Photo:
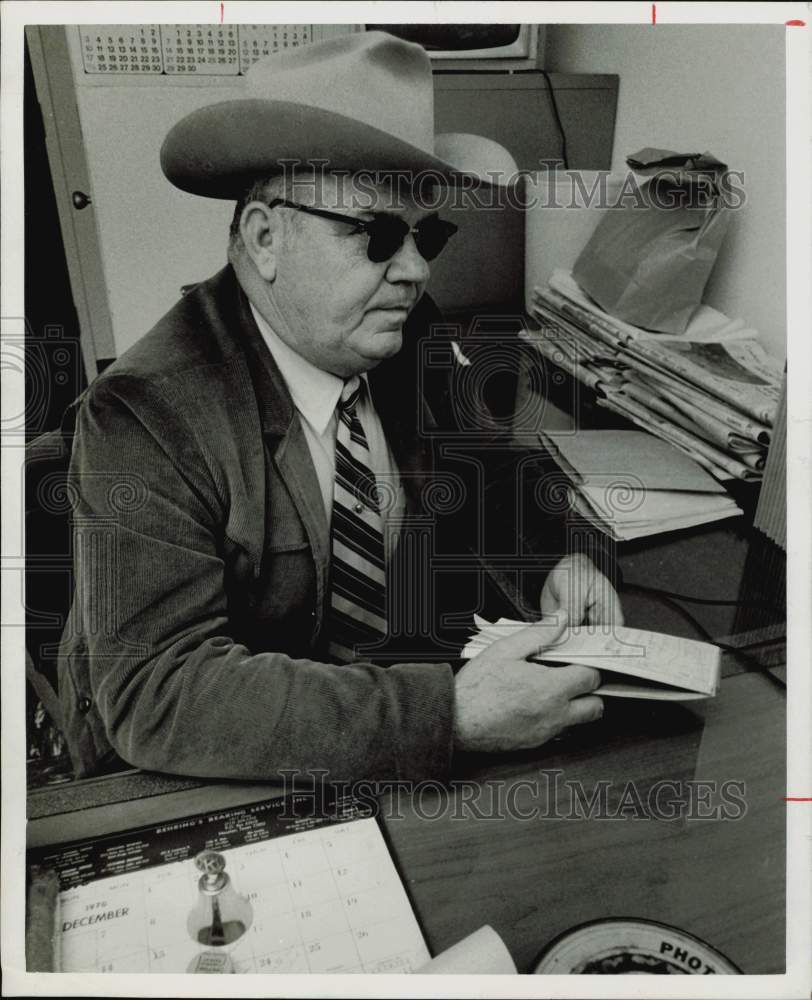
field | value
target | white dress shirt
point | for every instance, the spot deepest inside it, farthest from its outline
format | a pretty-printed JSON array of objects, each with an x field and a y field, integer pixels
[{"x": 315, "y": 394}]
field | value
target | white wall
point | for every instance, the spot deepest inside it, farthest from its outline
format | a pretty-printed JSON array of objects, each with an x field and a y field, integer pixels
[
  {"x": 153, "y": 238},
  {"x": 697, "y": 88}
]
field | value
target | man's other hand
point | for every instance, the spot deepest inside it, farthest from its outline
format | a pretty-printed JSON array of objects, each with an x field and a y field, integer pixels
[
  {"x": 578, "y": 587},
  {"x": 503, "y": 702}
]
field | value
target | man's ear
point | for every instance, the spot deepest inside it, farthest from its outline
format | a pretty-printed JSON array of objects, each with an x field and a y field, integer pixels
[{"x": 261, "y": 230}]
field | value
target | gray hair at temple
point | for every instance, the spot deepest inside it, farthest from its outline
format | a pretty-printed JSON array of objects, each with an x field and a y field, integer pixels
[{"x": 263, "y": 189}]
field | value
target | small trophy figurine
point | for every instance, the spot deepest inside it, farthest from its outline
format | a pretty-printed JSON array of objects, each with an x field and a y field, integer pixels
[{"x": 220, "y": 916}]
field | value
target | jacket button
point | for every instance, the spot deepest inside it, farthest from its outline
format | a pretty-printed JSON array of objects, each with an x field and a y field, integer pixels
[{"x": 84, "y": 705}]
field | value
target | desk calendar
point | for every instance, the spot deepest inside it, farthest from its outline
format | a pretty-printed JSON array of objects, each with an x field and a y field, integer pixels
[{"x": 323, "y": 895}]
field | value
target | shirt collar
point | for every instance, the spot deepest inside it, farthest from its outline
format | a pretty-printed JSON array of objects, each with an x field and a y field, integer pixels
[{"x": 315, "y": 393}]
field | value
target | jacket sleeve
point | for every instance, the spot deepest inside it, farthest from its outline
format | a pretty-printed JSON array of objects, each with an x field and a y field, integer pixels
[{"x": 175, "y": 692}]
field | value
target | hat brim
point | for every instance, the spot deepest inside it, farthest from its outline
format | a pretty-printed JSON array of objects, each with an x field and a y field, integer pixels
[{"x": 218, "y": 150}]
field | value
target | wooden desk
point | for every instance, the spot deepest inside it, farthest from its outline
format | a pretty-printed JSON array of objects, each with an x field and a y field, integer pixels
[{"x": 533, "y": 878}]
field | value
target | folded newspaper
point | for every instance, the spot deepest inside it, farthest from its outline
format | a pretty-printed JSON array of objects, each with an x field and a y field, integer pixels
[
  {"x": 715, "y": 354},
  {"x": 707, "y": 324},
  {"x": 712, "y": 392},
  {"x": 642, "y": 664}
]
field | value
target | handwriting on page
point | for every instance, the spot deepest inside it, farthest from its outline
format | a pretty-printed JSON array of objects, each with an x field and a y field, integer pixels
[{"x": 652, "y": 656}]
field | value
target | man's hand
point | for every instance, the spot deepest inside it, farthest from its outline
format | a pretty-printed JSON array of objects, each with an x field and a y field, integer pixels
[
  {"x": 502, "y": 702},
  {"x": 579, "y": 588}
]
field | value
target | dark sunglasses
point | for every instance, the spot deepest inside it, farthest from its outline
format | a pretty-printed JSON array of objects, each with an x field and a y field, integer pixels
[{"x": 387, "y": 232}]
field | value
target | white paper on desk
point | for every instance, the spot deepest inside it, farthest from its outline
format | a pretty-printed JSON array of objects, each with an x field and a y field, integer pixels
[
  {"x": 610, "y": 457},
  {"x": 626, "y": 529},
  {"x": 481, "y": 953},
  {"x": 655, "y": 508},
  {"x": 652, "y": 656}
]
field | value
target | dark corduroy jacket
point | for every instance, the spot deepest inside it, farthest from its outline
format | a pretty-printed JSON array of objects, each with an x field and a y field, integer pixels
[
  {"x": 196, "y": 644},
  {"x": 202, "y": 559}
]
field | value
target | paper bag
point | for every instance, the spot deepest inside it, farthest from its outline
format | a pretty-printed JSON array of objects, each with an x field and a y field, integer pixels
[{"x": 649, "y": 259}]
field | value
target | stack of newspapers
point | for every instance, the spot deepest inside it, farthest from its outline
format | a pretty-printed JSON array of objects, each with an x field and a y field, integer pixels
[{"x": 712, "y": 392}]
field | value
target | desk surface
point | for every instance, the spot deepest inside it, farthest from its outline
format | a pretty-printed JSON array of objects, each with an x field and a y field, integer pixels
[{"x": 532, "y": 877}]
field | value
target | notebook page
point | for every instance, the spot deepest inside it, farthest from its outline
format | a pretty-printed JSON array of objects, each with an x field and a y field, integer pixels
[{"x": 669, "y": 659}]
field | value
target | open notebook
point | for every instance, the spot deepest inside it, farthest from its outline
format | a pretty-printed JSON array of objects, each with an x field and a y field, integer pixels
[{"x": 637, "y": 663}]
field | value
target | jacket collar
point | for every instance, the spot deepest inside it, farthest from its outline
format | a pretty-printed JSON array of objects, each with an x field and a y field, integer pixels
[
  {"x": 315, "y": 392},
  {"x": 276, "y": 409},
  {"x": 394, "y": 386}
]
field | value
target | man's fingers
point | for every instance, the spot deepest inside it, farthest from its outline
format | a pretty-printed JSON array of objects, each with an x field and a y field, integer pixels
[
  {"x": 617, "y": 608},
  {"x": 526, "y": 642},
  {"x": 552, "y": 603},
  {"x": 606, "y": 609},
  {"x": 589, "y": 708},
  {"x": 576, "y": 679}
]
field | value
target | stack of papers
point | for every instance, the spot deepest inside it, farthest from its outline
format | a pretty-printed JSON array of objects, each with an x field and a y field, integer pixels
[
  {"x": 712, "y": 392},
  {"x": 630, "y": 484},
  {"x": 642, "y": 664}
]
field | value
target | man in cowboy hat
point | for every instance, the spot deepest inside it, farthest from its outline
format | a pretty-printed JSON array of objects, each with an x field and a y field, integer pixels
[{"x": 241, "y": 616}]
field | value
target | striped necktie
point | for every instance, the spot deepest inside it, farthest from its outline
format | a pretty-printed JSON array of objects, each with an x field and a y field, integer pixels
[{"x": 358, "y": 571}]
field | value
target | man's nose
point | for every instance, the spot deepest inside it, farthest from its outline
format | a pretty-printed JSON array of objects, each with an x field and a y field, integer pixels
[{"x": 408, "y": 264}]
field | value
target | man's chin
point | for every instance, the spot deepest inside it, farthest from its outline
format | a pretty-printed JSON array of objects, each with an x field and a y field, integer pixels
[{"x": 384, "y": 344}]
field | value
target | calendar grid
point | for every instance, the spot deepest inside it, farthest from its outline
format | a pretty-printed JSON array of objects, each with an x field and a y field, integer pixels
[
  {"x": 324, "y": 900},
  {"x": 187, "y": 50}
]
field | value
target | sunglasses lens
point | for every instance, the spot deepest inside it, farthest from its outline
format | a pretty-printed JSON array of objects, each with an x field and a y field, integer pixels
[
  {"x": 432, "y": 236},
  {"x": 386, "y": 236},
  {"x": 387, "y": 233}
]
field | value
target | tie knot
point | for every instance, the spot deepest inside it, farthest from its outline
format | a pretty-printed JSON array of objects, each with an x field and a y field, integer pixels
[{"x": 350, "y": 394}]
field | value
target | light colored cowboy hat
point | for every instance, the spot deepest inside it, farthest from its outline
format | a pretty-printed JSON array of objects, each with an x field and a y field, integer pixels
[{"x": 362, "y": 101}]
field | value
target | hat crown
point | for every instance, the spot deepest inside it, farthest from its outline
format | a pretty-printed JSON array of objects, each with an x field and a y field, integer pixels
[
  {"x": 372, "y": 77},
  {"x": 361, "y": 101}
]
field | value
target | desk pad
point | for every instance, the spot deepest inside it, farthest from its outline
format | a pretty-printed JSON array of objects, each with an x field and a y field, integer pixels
[{"x": 324, "y": 895}]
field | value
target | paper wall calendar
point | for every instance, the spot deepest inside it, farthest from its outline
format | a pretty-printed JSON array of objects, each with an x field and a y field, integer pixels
[{"x": 183, "y": 50}]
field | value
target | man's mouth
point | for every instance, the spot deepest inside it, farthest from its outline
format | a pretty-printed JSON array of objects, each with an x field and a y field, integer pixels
[{"x": 403, "y": 307}]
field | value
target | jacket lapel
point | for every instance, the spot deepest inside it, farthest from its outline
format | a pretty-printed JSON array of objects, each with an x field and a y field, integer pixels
[
  {"x": 395, "y": 390},
  {"x": 285, "y": 441}
]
